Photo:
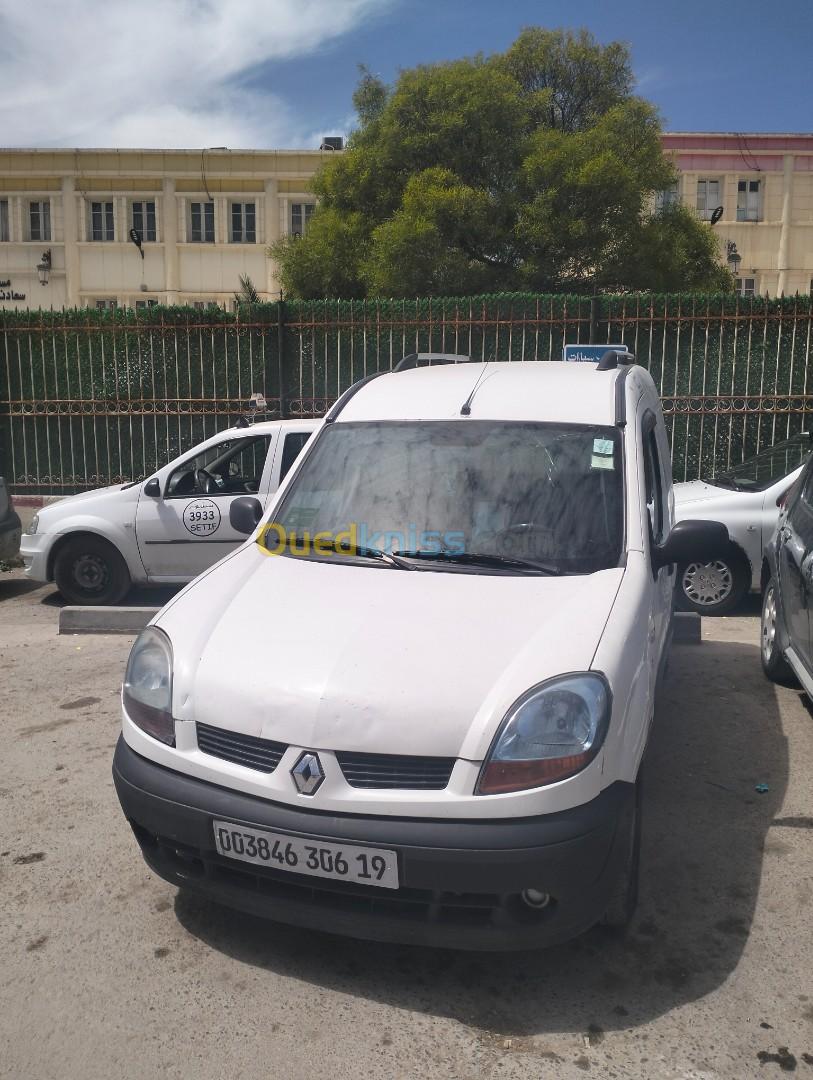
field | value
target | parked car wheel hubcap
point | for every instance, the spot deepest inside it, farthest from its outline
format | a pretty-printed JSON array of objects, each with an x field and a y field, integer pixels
[
  {"x": 90, "y": 573},
  {"x": 768, "y": 625},
  {"x": 707, "y": 583}
]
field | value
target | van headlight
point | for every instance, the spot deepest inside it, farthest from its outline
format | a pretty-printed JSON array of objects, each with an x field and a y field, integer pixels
[
  {"x": 147, "y": 692},
  {"x": 33, "y": 525},
  {"x": 552, "y": 732}
]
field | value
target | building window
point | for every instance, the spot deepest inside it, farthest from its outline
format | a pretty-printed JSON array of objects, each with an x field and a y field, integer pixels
[
  {"x": 4, "y": 233},
  {"x": 749, "y": 200},
  {"x": 708, "y": 197},
  {"x": 106, "y": 304},
  {"x": 667, "y": 197},
  {"x": 747, "y": 286},
  {"x": 39, "y": 220},
  {"x": 143, "y": 217},
  {"x": 300, "y": 218},
  {"x": 202, "y": 223},
  {"x": 142, "y": 305},
  {"x": 243, "y": 223},
  {"x": 101, "y": 221}
]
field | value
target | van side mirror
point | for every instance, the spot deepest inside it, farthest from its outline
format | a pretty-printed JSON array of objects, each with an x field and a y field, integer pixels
[
  {"x": 692, "y": 541},
  {"x": 245, "y": 514},
  {"x": 153, "y": 488}
]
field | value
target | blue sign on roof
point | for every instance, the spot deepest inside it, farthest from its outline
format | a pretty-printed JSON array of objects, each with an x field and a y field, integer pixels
[{"x": 589, "y": 354}]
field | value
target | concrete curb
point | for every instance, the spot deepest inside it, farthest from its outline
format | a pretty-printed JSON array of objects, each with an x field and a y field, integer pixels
[
  {"x": 105, "y": 620},
  {"x": 687, "y": 628}
]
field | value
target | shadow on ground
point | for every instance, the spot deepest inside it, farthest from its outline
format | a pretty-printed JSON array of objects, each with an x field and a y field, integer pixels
[
  {"x": 156, "y": 596},
  {"x": 13, "y": 586},
  {"x": 717, "y": 735}
]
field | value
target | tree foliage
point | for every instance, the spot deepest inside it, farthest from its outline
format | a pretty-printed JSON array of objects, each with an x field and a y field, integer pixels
[{"x": 532, "y": 169}]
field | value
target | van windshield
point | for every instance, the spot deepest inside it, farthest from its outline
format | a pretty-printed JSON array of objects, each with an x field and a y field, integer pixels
[{"x": 473, "y": 495}]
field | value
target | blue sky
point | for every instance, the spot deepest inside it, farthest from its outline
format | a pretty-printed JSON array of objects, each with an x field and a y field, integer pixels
[
  {"x": 279, "y": 73},
  {"x": 740, "y": 66}
]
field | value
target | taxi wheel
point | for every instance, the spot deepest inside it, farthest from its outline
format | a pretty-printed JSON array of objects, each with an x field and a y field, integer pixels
[{"x": 89, "y": 570}]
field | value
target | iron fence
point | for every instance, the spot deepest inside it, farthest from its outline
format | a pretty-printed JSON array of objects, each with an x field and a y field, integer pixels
[{"x": 90, "y": 398}]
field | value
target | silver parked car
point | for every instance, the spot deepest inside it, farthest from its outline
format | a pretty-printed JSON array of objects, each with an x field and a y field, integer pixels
[{"x": 746, "y": 499}]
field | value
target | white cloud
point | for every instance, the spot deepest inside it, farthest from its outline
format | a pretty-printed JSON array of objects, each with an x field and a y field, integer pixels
[{"x": 158, "y": 73}]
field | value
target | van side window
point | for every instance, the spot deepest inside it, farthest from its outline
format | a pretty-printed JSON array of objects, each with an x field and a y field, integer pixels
[
  {"x": 653, "y": 479},
  {"x": 293, "y": 444}
]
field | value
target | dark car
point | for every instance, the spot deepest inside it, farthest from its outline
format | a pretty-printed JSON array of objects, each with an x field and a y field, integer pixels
[
  {"x": 787, "y": 577},
  {"x": 10, "y": 527}
]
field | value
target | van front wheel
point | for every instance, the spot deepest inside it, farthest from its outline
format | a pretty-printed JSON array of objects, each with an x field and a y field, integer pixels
[{"x": 624, "y": 894}]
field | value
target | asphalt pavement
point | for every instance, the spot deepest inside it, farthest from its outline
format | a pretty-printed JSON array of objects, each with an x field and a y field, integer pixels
[{"x": 107, "y": 972}]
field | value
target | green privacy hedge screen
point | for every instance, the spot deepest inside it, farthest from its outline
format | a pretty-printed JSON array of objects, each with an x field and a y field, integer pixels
[{"x": 89, "y": 397}]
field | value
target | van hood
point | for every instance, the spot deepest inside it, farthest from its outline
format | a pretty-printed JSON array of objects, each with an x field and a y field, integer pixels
[{"x": 339, "y": 656}]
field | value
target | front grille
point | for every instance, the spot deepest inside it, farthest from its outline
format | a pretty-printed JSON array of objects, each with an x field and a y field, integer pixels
[
  {"x": 395, "y": 771},
  {"x": 359, "y": 770},
  {"x": 260, "y": 754}
]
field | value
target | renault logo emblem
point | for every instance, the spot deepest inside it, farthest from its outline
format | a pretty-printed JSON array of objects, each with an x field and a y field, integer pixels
[{"x": 307, "y": 774}]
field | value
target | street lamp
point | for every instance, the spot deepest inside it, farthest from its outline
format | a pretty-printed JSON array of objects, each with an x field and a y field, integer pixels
[
  {"x": 44, "y": 267},
  {"x": 733, "y": 257}
]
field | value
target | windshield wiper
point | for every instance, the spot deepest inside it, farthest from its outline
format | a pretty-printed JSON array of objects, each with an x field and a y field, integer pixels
[
  {"x": 374, "y": 553},
  {"x": 473, "y": 558},
  {"x": 349, "y": 549}
]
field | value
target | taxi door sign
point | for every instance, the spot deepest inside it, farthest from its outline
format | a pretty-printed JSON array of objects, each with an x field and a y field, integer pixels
[{"x": 589, "y": 354}]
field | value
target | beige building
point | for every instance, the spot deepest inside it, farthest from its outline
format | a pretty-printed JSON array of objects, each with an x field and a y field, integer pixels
[
  {"x": 203, "y": 218},
  {"x": 764, "y": 185}
]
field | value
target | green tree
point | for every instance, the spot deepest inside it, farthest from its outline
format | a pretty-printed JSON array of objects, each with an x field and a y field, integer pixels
[
  {"x": 247, "y": 293},
  {"x": 536, "y": 168}
]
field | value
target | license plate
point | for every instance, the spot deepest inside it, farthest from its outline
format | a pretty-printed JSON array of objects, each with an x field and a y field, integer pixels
[{"x": 342, "y": 862}]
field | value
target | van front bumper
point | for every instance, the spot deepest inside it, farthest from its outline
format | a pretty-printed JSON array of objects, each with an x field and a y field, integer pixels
[{"x": 460, "y": 881}]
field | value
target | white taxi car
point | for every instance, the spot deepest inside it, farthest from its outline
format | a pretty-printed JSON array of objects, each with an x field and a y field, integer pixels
[
  {"x": 165, "y": 529},
  {"x": 449, "y": 753}
]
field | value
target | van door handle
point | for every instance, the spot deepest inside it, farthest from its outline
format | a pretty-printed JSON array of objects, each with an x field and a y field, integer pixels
[{"x": 784, "y": 534}]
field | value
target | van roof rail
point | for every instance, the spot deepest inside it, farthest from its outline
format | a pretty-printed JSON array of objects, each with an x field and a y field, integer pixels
[
  {"x": 417, "y": 359},
  {"x": 613, "y": 358}
]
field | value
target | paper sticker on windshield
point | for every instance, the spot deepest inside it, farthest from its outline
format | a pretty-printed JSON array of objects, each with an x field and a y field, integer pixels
[
  {"x": 603, "y": 446},
  {"x": 201, "y": 517},
  {"x": 598, "y": 461}
]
